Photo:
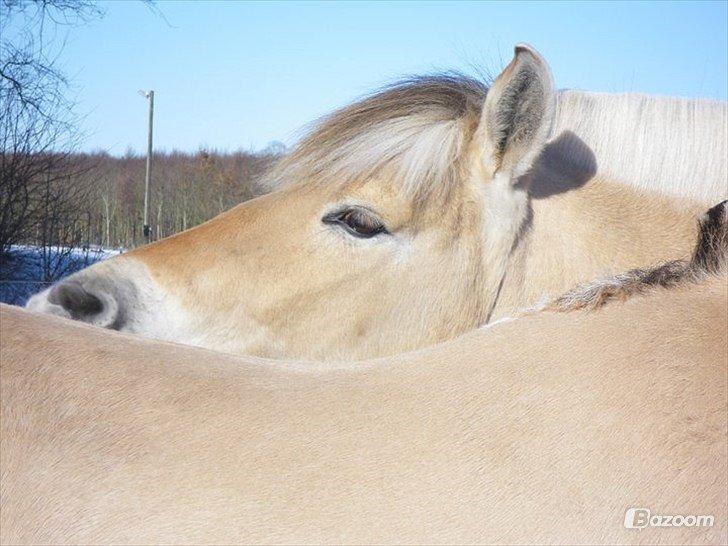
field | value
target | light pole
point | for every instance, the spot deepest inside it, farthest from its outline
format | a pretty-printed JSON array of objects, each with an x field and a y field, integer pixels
[{"x": 147, "y": 180}]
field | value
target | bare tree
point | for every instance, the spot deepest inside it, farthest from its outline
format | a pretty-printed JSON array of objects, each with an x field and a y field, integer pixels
[
  {"x": 37, "y": 125},
  {"x": 47, "y": 194}
]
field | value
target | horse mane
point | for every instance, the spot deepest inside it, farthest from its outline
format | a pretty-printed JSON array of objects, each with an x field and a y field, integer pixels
[
  {"x": 675, "y": 146},
  {"x": 709, "y": 258},
  {"x": 417, "y": 130}
]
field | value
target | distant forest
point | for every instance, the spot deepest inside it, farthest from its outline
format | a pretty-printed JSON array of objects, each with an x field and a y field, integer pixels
[
  {"x": 186, "y": 190},
  {"x": 99, "y": 199}
]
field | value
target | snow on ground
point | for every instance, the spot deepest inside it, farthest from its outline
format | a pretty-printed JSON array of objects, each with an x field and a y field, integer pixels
[{"x": 26, "y": 269}]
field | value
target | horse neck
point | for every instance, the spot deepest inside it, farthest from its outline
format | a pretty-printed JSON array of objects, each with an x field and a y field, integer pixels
[{"x": 587, "y": 232}]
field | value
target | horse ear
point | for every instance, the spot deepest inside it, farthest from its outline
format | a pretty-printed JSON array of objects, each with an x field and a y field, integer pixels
[{"x": 517, "y": 115}]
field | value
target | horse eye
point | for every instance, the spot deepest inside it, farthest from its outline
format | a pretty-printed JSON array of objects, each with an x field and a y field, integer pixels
[{"x": 358, "y": 222}]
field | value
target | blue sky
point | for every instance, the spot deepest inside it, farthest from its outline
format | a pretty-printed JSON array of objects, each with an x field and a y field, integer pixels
[{"x": 231, "y": 75}]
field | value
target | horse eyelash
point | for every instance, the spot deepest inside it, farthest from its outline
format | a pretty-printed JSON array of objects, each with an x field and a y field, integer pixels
[{"x": 336, "y": 218}]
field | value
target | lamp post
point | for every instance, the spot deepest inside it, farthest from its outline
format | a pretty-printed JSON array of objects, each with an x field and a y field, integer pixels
[{"x": 147, "y": 179}]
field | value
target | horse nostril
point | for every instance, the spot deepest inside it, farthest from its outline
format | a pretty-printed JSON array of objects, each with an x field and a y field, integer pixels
[
  {"x": 74, "y": 299},
  {"x": 83, "y": 305}
]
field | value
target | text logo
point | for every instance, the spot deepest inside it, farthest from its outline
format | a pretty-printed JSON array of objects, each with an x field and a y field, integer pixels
[{"x": 639, "y": 518}]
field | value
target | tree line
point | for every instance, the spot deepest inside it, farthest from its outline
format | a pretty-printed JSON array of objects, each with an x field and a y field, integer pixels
[
  {"x": 186, "y": 190},
  {"x": 63, "y": 202}
]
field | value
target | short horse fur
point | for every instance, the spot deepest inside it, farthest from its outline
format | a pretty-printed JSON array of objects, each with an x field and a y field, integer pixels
[
  {"x": 476, "y": 202},
  {"x": 541, "y": 430}
]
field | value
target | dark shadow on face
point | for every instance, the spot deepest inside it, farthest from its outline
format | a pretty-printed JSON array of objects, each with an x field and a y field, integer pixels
[{"x": 566, "y": 163}]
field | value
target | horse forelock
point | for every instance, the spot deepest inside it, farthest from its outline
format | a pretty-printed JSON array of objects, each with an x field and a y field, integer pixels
[{"x": 414, "y": 132}]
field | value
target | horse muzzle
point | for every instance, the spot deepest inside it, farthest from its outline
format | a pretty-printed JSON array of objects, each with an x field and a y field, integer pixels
[{"x": 102, "y": 295}]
